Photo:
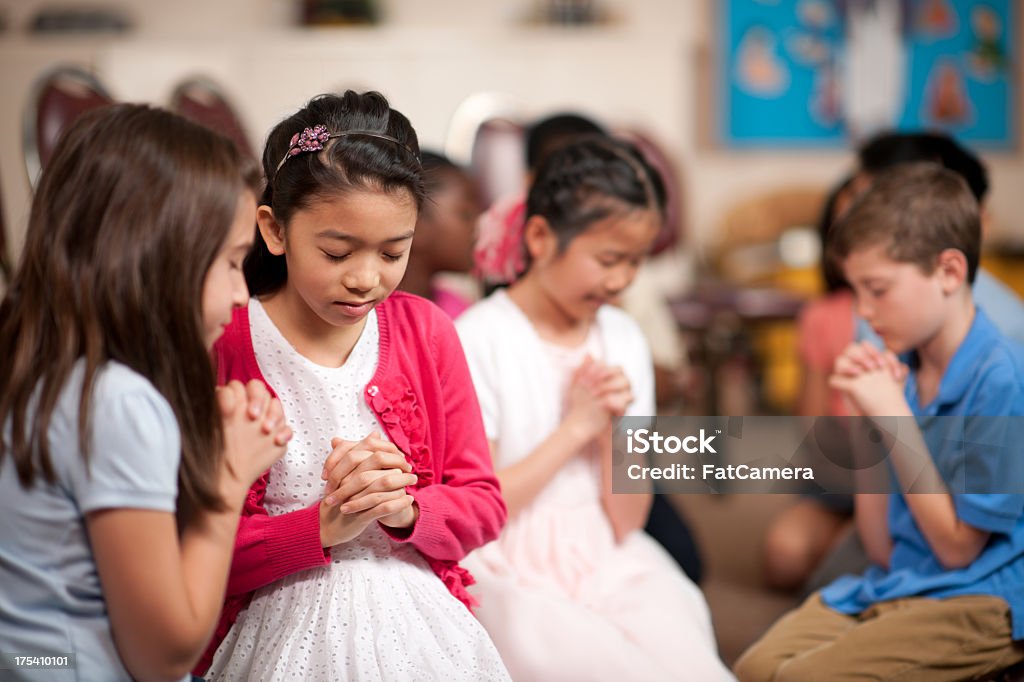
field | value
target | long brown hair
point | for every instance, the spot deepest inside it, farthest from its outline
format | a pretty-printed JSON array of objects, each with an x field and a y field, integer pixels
[{"x": 130, "y": 214}]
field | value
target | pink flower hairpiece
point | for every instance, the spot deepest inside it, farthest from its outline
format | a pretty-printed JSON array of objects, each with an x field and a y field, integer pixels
[
  {"x": 309, "y": 140},
  {"x": 313, "y": 140},
  {"x": 499, "y": 254}
]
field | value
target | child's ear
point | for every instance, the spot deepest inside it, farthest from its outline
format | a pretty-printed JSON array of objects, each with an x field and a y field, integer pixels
[
  {"x": 539, "y": 238},
  {"x": 272, "y": 231},
  {"x": 952, "y": 270}
]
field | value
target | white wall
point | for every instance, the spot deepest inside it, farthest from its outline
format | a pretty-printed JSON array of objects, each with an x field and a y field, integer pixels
[
  {"x": 157, "y": 17},
  {"x": 649, "y": 69}
]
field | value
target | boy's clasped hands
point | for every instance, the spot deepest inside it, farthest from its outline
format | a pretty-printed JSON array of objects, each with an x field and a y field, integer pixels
[{"x": 871, "y": 379}]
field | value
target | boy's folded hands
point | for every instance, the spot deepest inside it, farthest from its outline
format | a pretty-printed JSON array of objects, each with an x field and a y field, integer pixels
[{"x": 871, "y": 379}]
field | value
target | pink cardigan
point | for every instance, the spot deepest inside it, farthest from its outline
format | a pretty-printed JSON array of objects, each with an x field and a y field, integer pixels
[{"x": 423, "y": 396}]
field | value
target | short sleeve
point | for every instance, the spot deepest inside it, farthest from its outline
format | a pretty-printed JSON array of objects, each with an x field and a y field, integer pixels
[
  {"x": 135, "y": 448},
  {"x": 992, "y": 432},
  {"x": 992, "y": 513}
]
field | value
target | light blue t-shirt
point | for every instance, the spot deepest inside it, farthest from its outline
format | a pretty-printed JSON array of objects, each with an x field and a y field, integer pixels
[
  {"x": 999, "y": 302},
  {"x": 51, "y": 601},
  {"x": 985, "y": 377}
]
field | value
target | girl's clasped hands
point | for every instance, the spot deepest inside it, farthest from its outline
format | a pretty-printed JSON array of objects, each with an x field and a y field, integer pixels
[
  {"x": 366, "y": 481},
  {"x": 255, "y": 431},
  {"x": 597, "y": 393}
]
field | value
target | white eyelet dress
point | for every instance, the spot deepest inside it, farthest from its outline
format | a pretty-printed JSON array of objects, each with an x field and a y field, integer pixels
[{"x": 377, "y": 611}]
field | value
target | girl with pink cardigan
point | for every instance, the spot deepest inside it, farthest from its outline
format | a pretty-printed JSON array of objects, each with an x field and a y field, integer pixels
[{"x": 346, "y": 561}]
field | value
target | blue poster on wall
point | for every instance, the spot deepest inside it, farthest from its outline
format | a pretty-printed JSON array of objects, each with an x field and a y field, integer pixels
[{"x": 820, "y": 73}]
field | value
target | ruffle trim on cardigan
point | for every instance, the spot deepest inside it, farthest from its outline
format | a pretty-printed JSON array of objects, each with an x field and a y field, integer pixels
[{"x": 395, "y": 404}]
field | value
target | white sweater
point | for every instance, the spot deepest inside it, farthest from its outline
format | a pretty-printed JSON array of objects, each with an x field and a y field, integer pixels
[{"x": 514, "y": 379}]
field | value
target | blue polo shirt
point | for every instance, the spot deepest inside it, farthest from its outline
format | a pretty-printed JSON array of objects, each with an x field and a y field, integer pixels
[{"x": 986, "y": 378}]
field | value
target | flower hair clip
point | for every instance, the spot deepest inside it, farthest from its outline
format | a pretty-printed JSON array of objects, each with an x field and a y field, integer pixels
[
  {"x": 309, "y": 140},
  {"x": 313, "y": 140}
]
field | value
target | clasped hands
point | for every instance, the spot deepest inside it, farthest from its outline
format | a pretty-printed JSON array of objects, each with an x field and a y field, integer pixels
[
  {"x": 365, "y": 481},
  {"x": 597, "y": 392},
  {"x": 871, "y": 379},
  {"x": 255, "y": 434}
]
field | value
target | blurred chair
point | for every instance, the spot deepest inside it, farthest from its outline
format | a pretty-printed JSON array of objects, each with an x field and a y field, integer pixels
[
  {"x": 497, "y": 162},
  {"x": 767, "y": 249},
  {"x": 763, "y": 265},
  {"x": 486, "y": 136},
  {"x": 1006, "y": 264},
  {"x": 203, "y": 101},
  {"x": 58, "y": 97},
  {"x": 765, "y": 237}
]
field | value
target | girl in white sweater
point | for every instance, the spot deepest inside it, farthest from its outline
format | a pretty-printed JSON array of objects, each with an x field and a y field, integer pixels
[{"x": 573, "y": 588}]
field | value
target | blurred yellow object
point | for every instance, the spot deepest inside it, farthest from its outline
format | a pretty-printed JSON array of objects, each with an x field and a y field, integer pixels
[
  {"x": 805, "y": 282},
  {"x": 1008, "y": 269},
  {"x": 775, "y": 344}
]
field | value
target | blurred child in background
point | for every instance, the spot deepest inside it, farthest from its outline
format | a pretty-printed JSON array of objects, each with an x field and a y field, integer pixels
[
  {"x": 573, "y": 588},
  {"x": 500, "y": 258},
  {"x": 445, "y": 230}
]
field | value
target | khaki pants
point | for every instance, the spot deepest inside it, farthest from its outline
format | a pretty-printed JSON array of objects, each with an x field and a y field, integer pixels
[{"x": 958, "y": 638}]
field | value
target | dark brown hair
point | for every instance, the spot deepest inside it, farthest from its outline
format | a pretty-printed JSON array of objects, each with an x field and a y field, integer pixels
[
  {"x": 590, "y": 179},
  {"x": 831, "y": 274},
  {"x": 129, "y": 216},
  {"x": 346, "y": 164},
  {"x": 915, "y": 211}
]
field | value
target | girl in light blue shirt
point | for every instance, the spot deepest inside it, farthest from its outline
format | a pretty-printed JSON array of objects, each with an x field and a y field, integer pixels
[{"x": 122, "y": 469}]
